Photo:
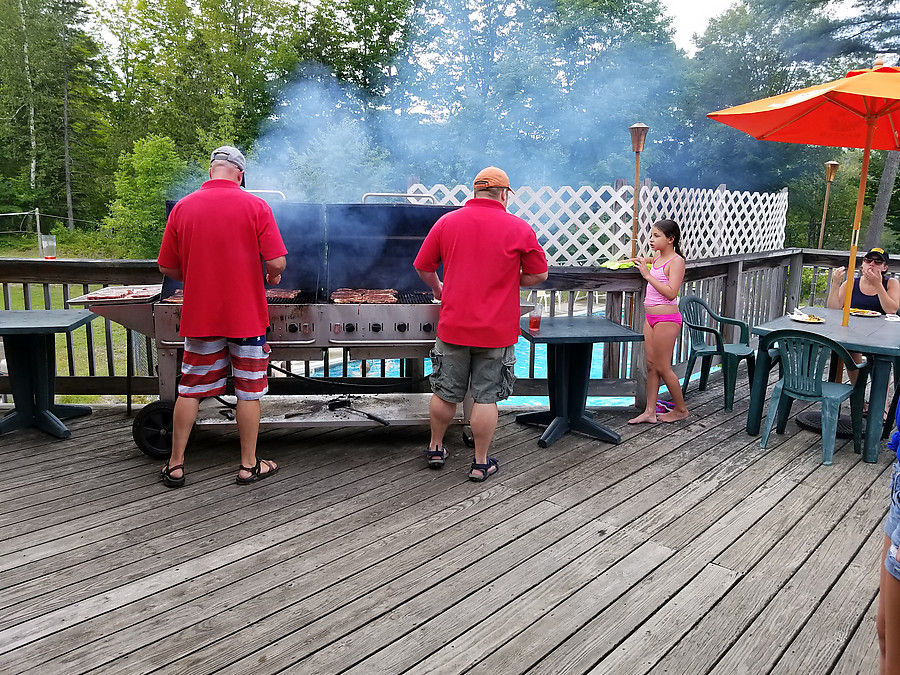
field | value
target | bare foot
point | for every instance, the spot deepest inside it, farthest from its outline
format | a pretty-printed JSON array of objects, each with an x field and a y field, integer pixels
[
  {"x": 674, "y": 416},
  {"x": 644, "y": 418}
]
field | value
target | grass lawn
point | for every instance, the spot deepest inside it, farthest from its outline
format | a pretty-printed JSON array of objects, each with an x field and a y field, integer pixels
[{"x": 79, "y": 244}]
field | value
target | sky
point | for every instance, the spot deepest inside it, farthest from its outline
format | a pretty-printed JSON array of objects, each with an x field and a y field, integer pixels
[{"x": 692, "y": 16}]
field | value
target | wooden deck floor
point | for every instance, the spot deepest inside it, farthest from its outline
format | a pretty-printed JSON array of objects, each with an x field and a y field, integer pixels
[{"x": 685, "y": 549}]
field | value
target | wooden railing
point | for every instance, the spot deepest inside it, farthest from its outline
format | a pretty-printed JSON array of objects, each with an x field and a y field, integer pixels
[
  {"x": 754, "y": 287},
  {"x": 89, "y": 364}
]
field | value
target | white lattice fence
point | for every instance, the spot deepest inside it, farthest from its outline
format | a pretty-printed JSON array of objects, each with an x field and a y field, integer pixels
[{"x": 585, "y": 226}]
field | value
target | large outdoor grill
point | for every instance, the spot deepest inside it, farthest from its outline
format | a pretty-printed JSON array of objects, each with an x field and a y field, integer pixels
[{"x": 331, "y": 246}]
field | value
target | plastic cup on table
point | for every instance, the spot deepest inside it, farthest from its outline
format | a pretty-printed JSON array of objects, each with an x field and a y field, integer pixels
[
  {"x": 534, "y": 317},
  {"x": 48, "y": 246}
]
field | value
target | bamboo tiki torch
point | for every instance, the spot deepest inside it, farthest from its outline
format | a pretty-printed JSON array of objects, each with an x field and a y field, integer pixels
[
  {"x": 830, "y": 172},
  {"x": 638, "y": 136}
]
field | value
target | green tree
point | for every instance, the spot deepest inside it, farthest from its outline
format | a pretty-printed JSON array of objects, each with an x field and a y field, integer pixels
[
  {"x": 739, "y": 59},
  {"x": 534, "y": 85},
  {"x": 147, "y": 175},
  {"x": 807, "y": 201},
  {"x": 53, "y": 109},
  {"x": 357, "y": 40},
  {"x": 835, "y": 28},
  {"x": 852, "y": 35},
  {"x": 354, "y": 164},
  {"x": 197, "y": 71}
]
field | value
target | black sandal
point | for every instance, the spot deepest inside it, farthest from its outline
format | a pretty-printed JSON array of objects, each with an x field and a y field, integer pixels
[
  {"x": 255, "y": 473},
  {"x": 485, "y": 469},
  {"x": 169, "y": 479},
  {"x": 436, "y": 457}
]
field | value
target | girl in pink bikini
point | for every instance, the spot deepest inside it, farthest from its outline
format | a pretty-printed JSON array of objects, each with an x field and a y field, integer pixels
[{"x": 664, "y": 275}]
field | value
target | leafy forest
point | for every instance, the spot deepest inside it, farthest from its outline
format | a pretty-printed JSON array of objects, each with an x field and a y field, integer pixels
[{"x": 109, "y": 108}]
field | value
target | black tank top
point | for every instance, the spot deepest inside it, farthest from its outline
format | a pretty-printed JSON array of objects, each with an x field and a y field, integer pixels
[{"x": 859, "y": 300}]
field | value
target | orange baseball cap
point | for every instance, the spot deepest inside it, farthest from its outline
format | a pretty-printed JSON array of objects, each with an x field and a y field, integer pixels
[{"x": 491, "y": 177}]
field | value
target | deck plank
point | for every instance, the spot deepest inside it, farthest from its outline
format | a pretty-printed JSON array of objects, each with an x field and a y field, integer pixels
[
  {"x": 687, "y": 548},
  {"x": 849, "y": 598},
  {"x": 860, "y": 654}
]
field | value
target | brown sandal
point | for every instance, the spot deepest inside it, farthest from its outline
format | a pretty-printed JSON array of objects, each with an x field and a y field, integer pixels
[
  {"x": 169, "y": 479},
  {"x": 255, "y": 473}
]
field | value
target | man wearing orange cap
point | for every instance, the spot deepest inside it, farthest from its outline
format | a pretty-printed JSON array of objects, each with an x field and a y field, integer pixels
[{"x": 488, "y": 254}]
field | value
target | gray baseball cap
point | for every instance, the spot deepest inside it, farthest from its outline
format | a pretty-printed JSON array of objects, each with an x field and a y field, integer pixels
[{"x": 231, "y": 154}]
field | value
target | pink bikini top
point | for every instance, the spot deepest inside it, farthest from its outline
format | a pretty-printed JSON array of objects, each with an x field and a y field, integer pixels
[{"x": 653, "y": 296}]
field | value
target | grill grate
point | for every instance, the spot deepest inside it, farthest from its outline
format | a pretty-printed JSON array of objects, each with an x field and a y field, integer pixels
[
  {"x": 415, "y": 298},
  {"x": 300, "y": 298},
  {"x": 310, "y": 298}
]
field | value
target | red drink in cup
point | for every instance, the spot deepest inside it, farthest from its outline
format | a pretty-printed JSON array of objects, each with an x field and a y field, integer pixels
[{"x": 534, "y": 318}]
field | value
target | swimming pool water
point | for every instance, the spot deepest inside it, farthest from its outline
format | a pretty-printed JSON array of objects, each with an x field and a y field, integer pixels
[{"x": 373, "y": 369}]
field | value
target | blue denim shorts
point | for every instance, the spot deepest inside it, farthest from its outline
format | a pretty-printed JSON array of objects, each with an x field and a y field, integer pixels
[{"x": 892, "y": 526}]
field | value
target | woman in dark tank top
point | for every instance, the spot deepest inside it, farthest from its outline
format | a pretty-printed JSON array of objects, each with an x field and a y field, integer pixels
[
  {"x": 859, "y": 300},
  {"x": 872, "y": 290}
]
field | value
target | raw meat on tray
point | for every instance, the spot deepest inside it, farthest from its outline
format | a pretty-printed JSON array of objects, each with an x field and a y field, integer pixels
[{"x": 124, "y": 293}]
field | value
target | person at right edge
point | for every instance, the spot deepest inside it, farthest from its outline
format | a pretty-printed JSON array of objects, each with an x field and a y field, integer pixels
[
  {"x": 873, "y": 290},
  {"x": 888, "y": 618},
  {"x": 488, "y": 254}
]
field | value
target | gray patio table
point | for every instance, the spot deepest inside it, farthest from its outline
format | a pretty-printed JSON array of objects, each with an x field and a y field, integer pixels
[
  {"x": 569, "y": 341},
  {"x": 28, "y": 340},
  {"x": 876, "y": 337}
]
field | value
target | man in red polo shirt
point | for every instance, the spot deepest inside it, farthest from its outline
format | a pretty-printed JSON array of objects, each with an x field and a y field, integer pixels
[
  {"x": 217, "y": 241},
  {"x": 488, "y": 254}
]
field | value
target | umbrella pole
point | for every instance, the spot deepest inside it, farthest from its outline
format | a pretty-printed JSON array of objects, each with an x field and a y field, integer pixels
[{"x": 860, "y": 198}]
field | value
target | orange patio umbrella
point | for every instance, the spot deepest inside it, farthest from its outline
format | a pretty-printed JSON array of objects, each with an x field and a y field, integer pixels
[{"x": 861, "y": 110}]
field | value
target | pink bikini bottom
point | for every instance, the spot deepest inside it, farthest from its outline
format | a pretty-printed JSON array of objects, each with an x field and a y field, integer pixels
[{"x": 654, "y": 319}]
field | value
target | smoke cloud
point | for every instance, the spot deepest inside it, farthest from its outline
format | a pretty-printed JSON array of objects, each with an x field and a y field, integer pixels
[{"x": 550, "y": 106}]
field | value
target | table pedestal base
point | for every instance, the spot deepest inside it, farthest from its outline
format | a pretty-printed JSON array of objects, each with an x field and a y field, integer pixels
[
  {"x": 568, "y": 371},
  {"x": 811, "y": 420},
  {"x": 557, "y": 426},
  {"x": 32, "y": 373}
]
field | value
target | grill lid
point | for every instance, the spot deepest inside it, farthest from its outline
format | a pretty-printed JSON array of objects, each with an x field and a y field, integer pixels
[{"x": 333, "y": 246}]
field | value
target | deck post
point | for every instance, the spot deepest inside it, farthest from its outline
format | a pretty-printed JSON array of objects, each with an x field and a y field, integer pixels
[
  {"x": 612, "y": 351},
  {"x": 734, "y": 292},
  {"x": 795, "y": 276},
  {"x": 638, "y": 362}
]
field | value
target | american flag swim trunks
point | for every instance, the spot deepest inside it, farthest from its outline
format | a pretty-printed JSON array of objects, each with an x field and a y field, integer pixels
[{"x": 206, "y": 362}]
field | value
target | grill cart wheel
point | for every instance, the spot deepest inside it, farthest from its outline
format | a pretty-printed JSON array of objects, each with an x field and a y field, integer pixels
[
  {"x": 467, "y": 437},
  {"x": 152, "y": 429}
]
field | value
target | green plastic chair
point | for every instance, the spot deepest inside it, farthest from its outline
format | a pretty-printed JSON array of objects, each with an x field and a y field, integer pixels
[
  {"x": 707, "y": 342},
  {"x": 804, "y": 357}
]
